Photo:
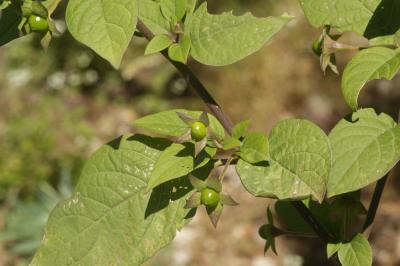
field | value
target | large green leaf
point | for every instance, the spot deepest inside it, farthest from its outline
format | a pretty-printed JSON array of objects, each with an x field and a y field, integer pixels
[
  {"x": 364, "y": 148},
  {"x": 345, "y": 15},
  {"x": 150, "y": 14},
  {"x": 370, "y": 18},
  {"x": 367, "y": 65},
  {"x": 224, "y": 39},
  {"x": 168, "y": 123},
  {"x": 300, "y": 161},
  {"x": 111, "y": 220},
  {"x": 105, "y": 26},
  {"x": 358, "y": 252}
]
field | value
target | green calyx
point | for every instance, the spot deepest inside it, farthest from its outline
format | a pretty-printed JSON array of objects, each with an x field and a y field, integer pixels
[
  {"x": 198, "y": 131},
  {"x": 317, "y": 47},
  {"x": 210, "y": 197},
  {"x": 38, "y": 23}
]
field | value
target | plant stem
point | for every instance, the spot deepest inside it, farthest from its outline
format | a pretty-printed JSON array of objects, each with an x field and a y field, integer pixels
[
  {"x": 194, "y": 82},
  {"x": 228, "y": 125},
  {"x": 373, "y": 206},
  {"x": 308, "y": 217},
  {"x": 222, "y": 175}
]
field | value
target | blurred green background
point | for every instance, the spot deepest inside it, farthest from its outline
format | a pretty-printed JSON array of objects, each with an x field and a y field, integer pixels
[{"x": 56, "y": 108}]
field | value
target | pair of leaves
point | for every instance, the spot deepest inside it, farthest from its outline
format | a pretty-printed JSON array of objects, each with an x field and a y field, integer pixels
[
  {"x": 298, "y": 166},
  {"x": 107, "y": 28},
  {"x": 252, "y": 147},
  {"x": 304, "y": 161},
  {"x": 356, "y": 252},
  {"x": 111, "y": 219},
  {"x": 176, "y": 51}
]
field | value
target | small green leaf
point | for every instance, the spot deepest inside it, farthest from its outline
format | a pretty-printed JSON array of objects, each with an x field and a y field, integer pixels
[
  {"x": 367, "y": 65},
  {"x": 170, "y": 124},
  {"x": 358, "y": 252},
  {"x": 224, "y": 39},
  {"x": 180, "y": 51},
  {"x": 240, "y": 129},
  {"x": 254, "y": 148},
  {"x": 332, "y": 248},
  {"x": 105, "y": 26},
  {"x": 299, "y": 164},
  {"x": 175, "y": 161},
  {"x": 231, "y": 143},
  {"x": 173, "y": 10},
  {"x": 157, "y": 44},
  {"x": 150, "y": 14},
  {"x": 364, "y": 148}
]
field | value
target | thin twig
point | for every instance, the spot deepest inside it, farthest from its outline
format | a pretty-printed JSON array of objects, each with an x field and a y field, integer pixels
[
  {"x": 228, "y": 125},
  {"x": 228, "y": 162}
]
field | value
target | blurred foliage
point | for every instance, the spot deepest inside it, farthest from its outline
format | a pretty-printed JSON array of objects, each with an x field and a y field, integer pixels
[{"x": 24, "y": 224}]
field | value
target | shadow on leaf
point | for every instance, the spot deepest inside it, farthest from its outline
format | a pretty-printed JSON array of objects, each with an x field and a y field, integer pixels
[
  {"x": 385, "y": 20},
  {"x": 162, "y": 195}
]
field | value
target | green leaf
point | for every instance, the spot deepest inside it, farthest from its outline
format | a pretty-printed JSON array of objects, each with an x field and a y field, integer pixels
[
  {"x": 300, "y": 161},
  {"x": 157, "y": 44},
  {"x": 367, "y": 65},
  {"x": 240, "y": 129},
  {"x": 9, "y": 22},
  {"x": 224, "y": 39},
  {"x": 180, "y": 51},
  {"x": 332, "y": 248},
  {"x": 231, "y": 143},
  {"x": 173, "y": 10},
  {"x": 4, "y": 4},
  {"x": 344, "y": 15},
  {"x": 150, "y": 14},
  {"x": 371, "y": 18},
  {"x": 105, "y": 26},
  {"x": 254, "y": 148},
  {"x": 364, "y": 148},
  {"x": 175, "y": 161},
  {"x": 168, "y": 123},
  {"x": 111, "y": 220},
  {"x": 356, "y": 253}
]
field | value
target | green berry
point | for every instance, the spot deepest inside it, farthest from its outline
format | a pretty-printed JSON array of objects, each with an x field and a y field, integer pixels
[
  {"x": 209, "y": 197},
  {"x": 199, "y": 131},
  {"x": 317, "y": 47},
  {"x": 38, "y": 24}
]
